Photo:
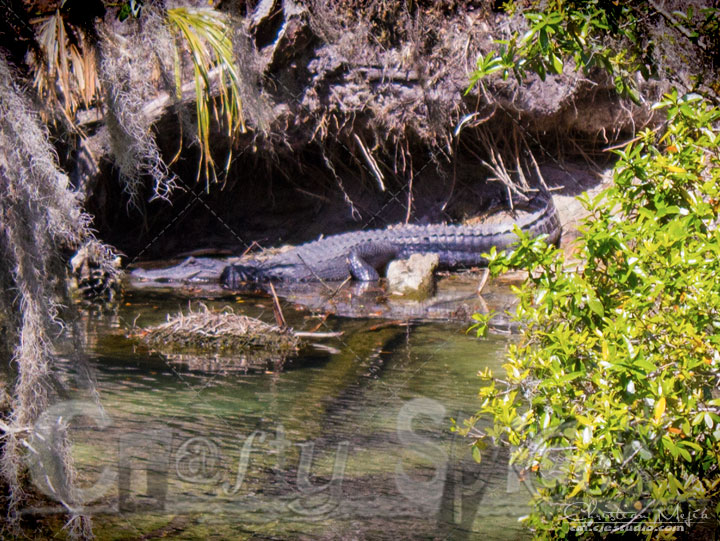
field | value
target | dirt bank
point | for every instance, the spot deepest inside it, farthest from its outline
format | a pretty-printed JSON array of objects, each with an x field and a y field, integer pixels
[{"x": 357, "y": 117}]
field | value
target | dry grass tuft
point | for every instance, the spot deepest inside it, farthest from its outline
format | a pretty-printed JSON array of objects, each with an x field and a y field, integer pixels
[
  {"x": 65, "y": 75},
  {"x": 207, "y": 330}
]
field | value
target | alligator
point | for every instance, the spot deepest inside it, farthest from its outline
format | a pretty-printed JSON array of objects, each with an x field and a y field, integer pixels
[{"x": 361, "y": 254}]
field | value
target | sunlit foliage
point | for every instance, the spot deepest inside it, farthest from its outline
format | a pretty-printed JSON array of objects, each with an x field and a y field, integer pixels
[
  {"x": 207, "y": 34},
  {"x": 611, "y": 396}
]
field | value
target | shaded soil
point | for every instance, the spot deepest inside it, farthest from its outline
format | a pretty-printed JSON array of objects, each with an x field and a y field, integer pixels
[
  {"x": 252, "y": 214},
  {"x": 358, "y": 118}
]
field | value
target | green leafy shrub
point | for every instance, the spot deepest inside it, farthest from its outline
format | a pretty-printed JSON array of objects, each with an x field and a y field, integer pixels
[
  {"x": 612, "y": 396},
  {"x": 622, "y": 39},
  {"x": 577, "y": 30}
]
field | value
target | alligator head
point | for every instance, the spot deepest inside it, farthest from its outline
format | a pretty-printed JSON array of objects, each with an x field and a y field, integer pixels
[{"x": 192, "y": 270}]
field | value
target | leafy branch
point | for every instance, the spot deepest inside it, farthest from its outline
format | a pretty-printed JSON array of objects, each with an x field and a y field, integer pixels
[
  {"x": 577, "y": 31},
  {"x": 618, "y": 367}
]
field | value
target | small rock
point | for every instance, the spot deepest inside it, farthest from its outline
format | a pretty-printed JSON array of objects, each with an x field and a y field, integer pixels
[{"x": 414, "y": 276}]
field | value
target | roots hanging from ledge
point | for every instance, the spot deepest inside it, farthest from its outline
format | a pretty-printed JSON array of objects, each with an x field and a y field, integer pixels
[{"x": 39, "y": 214}]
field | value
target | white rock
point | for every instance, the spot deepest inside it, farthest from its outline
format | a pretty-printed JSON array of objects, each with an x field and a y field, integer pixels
[{"x": 413, "y": 276}]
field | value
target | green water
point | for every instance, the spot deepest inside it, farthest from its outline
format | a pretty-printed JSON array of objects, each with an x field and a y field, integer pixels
[{"x": 349, "y": 440}]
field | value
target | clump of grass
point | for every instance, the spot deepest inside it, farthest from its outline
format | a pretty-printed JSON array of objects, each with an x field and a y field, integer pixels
[
  {"x": 207, "y": 330},
  {"x": 207, "y": 33}
]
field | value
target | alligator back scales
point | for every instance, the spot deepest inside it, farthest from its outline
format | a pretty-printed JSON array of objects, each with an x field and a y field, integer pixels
[{"x": 360, "y": 254}]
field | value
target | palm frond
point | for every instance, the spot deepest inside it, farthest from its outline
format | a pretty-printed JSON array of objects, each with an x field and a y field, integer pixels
[
  {"x": 66, "y": 74},
  {"x": 207, "y": 35}
]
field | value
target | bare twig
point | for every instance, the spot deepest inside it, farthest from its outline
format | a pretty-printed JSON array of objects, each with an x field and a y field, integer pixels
[
  {"x": 372, "y": 164},
  {"x": 277, "y": 309},
  {"x": 309, "y": 334},
  {"x": 483, "y": 281}
]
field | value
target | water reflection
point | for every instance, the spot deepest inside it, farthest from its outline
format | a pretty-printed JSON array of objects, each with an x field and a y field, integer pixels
[{"x": 348, "y": 440}]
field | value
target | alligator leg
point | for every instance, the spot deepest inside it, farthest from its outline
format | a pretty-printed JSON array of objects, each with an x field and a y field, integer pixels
[
  {"x": 234, "y": 276},
  {"x": 230, "y": 277},
  {"x": 360, "y": 269}
]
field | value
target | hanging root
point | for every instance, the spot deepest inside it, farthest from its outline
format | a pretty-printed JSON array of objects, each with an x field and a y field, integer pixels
[
  {"x": 511, "y": 161},
  {"x": 39, "y": 213},
  {"x": 127, "y": 86}
]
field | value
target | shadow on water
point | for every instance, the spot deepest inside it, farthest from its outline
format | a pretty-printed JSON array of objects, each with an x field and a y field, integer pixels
[{"x": 348, "y": 440}]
